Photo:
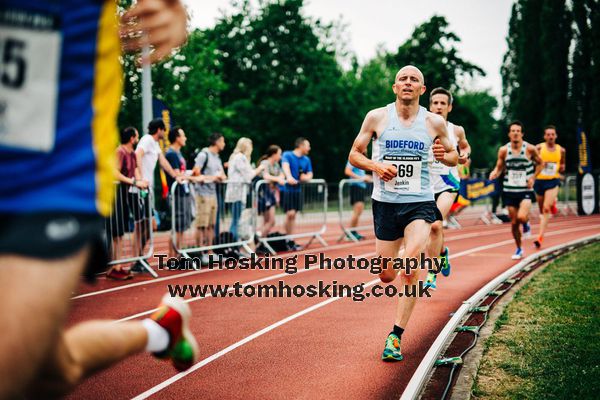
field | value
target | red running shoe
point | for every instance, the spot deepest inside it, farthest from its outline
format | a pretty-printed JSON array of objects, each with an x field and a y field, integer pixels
[
  {"x": 173, "y": 315},
  {"x": 119, "y": 274},
  {"x": 554, "y": 209}
]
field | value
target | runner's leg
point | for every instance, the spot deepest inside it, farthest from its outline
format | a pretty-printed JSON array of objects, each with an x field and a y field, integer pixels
[
  {"x": 523, "y": 213},
  {"x": 514, "y": 225},
  {"x": 436, "y": 239},
  {"x": 548, "y": 201},
  {"x": 88, "y": 348},
  {"x": 37, "y": 294},
  {"x": 387, "y": 249},
  {"x": 415, "y": 239}
]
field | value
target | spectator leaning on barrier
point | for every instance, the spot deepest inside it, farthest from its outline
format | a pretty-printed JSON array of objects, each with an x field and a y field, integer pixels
[
  {"x": 240, "y": 173},
  {"x": 208, "y": 165},
  {"x": 127, "y": 200},
  {"x": 358, "y": 191},
  {"x": 268, "y": 195},
  {"x": 148, "y": 153},
  {"x": 297, "y": 169},
  {"x": 181, "y": 199}
]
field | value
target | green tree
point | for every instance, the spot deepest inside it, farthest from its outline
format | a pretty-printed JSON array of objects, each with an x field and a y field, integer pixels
[
  {"x": 508, "y": 70},
  {"x": 475, "y": 112},
  {"x": 584, "y": 96},
  {"x": 555, "y": 40},
  {"x": 283, "y": 81},
  {"x": 551, "y": 71},
  {"x": 432, "y": 47},
  {"x": 189, "y": 83}
]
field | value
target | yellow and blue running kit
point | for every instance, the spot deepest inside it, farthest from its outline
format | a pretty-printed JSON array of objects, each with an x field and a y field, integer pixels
[
  {"x": 549, "y": 177},
  {"x": 60, "y": 81}
]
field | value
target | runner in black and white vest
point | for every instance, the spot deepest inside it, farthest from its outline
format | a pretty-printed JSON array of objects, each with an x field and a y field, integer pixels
[{"x": 517, "y": 159}]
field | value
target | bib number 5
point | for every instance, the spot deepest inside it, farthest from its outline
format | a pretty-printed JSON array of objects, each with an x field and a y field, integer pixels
[
  {"x": 30, "y": 52},
  {"x": 13, "y": 64}
]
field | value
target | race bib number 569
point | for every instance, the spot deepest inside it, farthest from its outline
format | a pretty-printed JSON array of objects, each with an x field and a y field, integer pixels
[{"x": 30, "y": 49}]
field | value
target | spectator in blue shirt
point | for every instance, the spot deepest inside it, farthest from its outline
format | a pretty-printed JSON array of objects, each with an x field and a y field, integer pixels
[{"x": 297, "y": 169}]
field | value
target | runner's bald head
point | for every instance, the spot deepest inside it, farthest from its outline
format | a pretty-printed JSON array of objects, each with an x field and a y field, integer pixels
[{"x": 411, "y": 67}]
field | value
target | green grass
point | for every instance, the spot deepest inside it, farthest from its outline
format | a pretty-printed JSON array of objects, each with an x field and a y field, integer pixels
[{"x": 546, "y": 344}]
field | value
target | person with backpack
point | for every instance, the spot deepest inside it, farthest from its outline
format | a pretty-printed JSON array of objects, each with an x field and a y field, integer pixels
[{"x": 208, "y": 164}]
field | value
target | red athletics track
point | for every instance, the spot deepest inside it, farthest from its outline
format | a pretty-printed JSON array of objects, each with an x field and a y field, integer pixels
[{"x": 311, "y": 347}]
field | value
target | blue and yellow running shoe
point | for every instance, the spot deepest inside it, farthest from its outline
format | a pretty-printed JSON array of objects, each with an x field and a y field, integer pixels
[
  {"x": 445, "y": 257},
  {"x": 431, "y": 280},
  {"x": 392, "y": 348}
]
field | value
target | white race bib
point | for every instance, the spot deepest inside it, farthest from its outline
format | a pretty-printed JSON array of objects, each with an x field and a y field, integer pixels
[
  {"x": 408, "y": 178},
  {"x": 550, "y": 169},
  {"x": 517, "y": 178},
  {"x": 30, "y": 51}
]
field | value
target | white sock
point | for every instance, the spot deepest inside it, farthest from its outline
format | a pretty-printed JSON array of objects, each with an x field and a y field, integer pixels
[{"x": 158, "y": 337}]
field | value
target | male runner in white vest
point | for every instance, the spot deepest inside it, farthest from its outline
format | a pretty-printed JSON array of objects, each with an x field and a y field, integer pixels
[
  {"x": 403, "y": 205},
  {"x": 445, "y": 181}
]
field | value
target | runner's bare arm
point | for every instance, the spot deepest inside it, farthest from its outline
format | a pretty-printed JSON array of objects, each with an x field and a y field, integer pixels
[
  {"x": 442, "y": 148},
  {"x": 463, "y": 144},
  {"x": 563, "y": 160},
  {"x": 499, "y": 164},
  {"x": 161, "y": 24},
  {"x": 539, "y": 163},
  {"x": 358, "y": 152}
]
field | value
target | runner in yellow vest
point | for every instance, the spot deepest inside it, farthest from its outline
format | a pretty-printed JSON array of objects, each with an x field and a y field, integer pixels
[{"x": 547, "y": 181}]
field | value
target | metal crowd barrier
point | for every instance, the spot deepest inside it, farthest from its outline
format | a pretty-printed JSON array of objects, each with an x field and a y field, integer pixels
[
  {"x": 129, "y": 229},
  {"x": 186, "y": 235},
  {"x": 351, "y": 191},
  {"x": 311, "y": 218},
  {"x": 570, "y": 184}
]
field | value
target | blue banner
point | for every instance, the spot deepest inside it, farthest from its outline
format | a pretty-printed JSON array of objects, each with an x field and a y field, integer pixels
[
  {"x": 476, "y": 189},
  {"x": 161, "y": 110},
  {"x": 583, "y": 146}
]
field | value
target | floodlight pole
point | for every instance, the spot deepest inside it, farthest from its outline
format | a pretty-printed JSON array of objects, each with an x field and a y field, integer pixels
[{"x": 146, "y": 87}]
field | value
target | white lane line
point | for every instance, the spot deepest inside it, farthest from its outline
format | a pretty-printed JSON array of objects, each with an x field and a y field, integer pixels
[
  {"x": 203, "y": 271},
  {"x": 254, "y": 282},
  {"x": 240, "y": 343},
  {"x": 449, "y": 238},
  {"x": 284, "y": 274},
  {"x": 284, "y": 321}
]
